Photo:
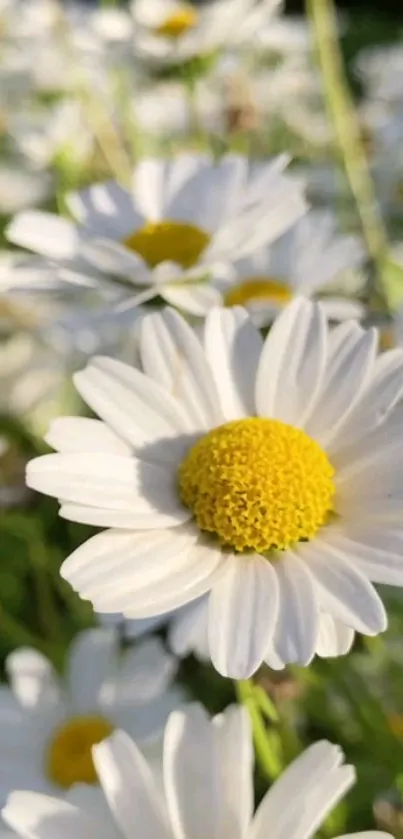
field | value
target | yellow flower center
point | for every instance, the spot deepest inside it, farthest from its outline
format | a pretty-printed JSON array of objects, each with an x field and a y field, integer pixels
[
  {"x": 257, "y": 484},
  {"x": 69, "y": 756},
  {"x": 179, "y": 23},
  {"x": 258, "y": 288},
  {"x": 387, "y": 338},
  {"x": 171, "y": 241}
]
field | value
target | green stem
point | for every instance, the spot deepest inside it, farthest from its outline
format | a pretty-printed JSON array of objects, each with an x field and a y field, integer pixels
[
  {"x": 341, "y": 110},
  {"x": 268, "y": 761}
]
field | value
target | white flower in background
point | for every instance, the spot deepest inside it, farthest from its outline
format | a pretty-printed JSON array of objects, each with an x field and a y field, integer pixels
[
  {"x": 162, "y": 111},
  {"x": 55, "y": 134},
  {"x": 173, "y": 31},
  {"x": 49, "y": 725},
  {"x": 380, "y": 70},
  {"x": 207, "y": 789},
  {"x": 21, "y": 187},
  {"x": 302, "y": 262},
  {"x": 183, "y": 222},
  {"x": 178, "y": 469}
]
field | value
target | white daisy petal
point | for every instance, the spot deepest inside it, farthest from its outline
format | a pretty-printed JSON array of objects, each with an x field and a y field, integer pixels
[
  {"x": 349, "y": 365},
  {"x": 105, "y": 208},
  {"x": 281, "y": 803},
  {"x": 334, "y": 638},
  {"x": 191, "y": 778},
  {"x": 292, "y": 364},
  {"x": 310, "y": 814},
  {"x": 378, "y": 400},
  {"x": 35, "y": 816},
  {"x": 143, "y": 491},
  {"x": 91, "y": 662},
  {"x": 297, "y": 626},
  {"x": 195, "y": 298},
  {"x": 33, "y": 679},
  {"x": 44, "y": 233},
  {"x": 236, "y": 762},
  {"x": 145, "y": 673},
  {"x": 148, "y": 187},
  {"x": 376, "y": 552},
  {"x": 137, "y": 408},
  {"x": 188, "y": 630},
  {"x": 129, "y": 787},
  {"x": 141, "y": 575},
  {"x": 173, "y": 357},
  {"x": 242, "y": 612},
  {"x": 114, "y": 258},
  {"x": 233, "y": 346},
  {"x": 71, "y": 435},
  {"x": 342, "y": 590}
]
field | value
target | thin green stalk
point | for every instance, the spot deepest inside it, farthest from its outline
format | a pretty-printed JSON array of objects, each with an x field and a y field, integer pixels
[
  {"x": 268, "y": 761},
  {"x": 341, "y": 110}
]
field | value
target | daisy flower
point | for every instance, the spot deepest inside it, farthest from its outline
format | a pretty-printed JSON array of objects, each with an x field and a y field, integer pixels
[
  {"x": 207, "y": 789},
  {"x": 266, "y": 473},
  {"x": 183, "y": 222},
  {"x": 304, "y": 261},
  {"x": 49, "y": 725},
  {"x": 169, "y": 32}
]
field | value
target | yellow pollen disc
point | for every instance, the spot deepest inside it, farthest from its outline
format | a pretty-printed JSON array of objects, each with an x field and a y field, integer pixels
[
  {"x": 258, "y": 288},
  {"x": 171, "y": 241},
  {"x": 179, "y": 23},
  {"x": 387, "y": 338},
  {"x": 69, "y": 759},
  {"x": 257, "y": 484}
]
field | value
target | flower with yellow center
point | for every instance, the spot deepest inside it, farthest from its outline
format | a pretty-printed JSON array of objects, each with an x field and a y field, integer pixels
[
  {"x": 69, "y": 756},
  {"x": 242, "y": 470},
  {"x": 211, "y": 756},
  {"x": 311, "y": 259},
  {"x": 57, "y": 721},
  {"x": 178, "y": 23},
  {"x": 174, "y": 234},
  {"x": 258, "y": 289}
]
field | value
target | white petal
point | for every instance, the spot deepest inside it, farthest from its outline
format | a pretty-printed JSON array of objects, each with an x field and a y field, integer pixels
[
  {"x": 106, "y": 209},
  {"x": 195, "y": 298},
  {"x": 191, "y": 779},
  {"x": 142, "y": 574},
  {"x": 375, "y": 405},
  {"x": 233, "y": 347},
  {"x": 35, "y": 816},
  {"x": 129, "y": 787},
  {"x": 91, "y": 663},
  {"x": 342, "y": 309},
  {"x": 188, "y": 630},
  {"x": 172, "y": 355},
  {"x": 44, "y": 233},
  {"x": 334, "y": 638},
  {"x": 292, "y": 363},
  {"x": 283, "y": 802},
  {"x": 142, "y": 674},
  {"x": 342, "y": 590},
  {"x": 144, "y": 492},
  {"x": 242, "y": 611},
  {"x": 135, "y": 407},
  {"x": 148, "y": 187},
  {"x": 113, "y": 258},
  {"x": 78, "y": 434},
  {"x": 349, "y": 365},
  {"x": 376, "y": 552},
  {"x": 236, "y": 762},
  {"x": 296, "y": 630},
  {"x": 33, "y": 679}
]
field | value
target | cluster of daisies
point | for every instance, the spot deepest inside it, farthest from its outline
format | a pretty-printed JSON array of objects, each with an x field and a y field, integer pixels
[{"x": 187, "y": 312}]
